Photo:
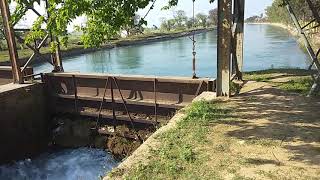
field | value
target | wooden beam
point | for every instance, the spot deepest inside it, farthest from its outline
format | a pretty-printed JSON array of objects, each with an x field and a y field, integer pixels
[
  {"x": 9, "y": 33},
  {"x": 239, "y": 6},
  {"x": 224, "y": 47}
]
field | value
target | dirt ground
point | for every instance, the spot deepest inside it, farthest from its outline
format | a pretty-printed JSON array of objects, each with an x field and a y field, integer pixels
[
  {"x": 273, "y": 135},
  {"x": 269, "y": 134}
]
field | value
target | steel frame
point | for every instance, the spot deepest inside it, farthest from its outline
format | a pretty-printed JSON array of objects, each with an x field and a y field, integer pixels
[
  {"x": 10, "y": 37},
  {"x": 314, "y": 56},
  {"x": 13, "y": 53}
]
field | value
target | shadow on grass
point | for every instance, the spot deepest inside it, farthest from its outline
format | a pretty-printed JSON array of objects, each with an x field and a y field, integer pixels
[{"x": 259, "y": 161}]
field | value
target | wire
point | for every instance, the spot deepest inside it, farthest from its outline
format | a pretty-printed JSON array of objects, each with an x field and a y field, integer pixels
[{"x": 194, "y": 75}]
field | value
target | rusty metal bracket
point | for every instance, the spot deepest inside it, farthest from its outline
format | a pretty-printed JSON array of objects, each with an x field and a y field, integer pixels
[
  {"x": 113, "y": 108},
  {"x": 199, "y": 88},
  {"x": 102, "y": 101},
  {"x": 126, "y": 108},
  {"x": 75, "y": 93},
  {"x": 155, "y": 100}
]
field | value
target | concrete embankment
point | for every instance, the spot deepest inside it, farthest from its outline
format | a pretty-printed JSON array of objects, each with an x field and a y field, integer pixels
[
  {"x": 24, "y": 121},
  {"x": 79, "y": 51},
  {"x": 314, "y": 36}
]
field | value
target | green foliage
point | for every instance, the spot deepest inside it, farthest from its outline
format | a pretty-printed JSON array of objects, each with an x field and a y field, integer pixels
[
  {"x": 213, "y": 17},
  {"x": 104, "y": 18},
  {"x": 279, "y": 14},
  {"x": 202, "y": 20},
  {"x": 181, "y": 22}
]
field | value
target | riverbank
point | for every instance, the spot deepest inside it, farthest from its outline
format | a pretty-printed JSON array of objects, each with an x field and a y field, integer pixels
[
  {"x": 76, "y": 50},
  {"x": 315, "y": 38},
  {"x": 259, "y": 134}
]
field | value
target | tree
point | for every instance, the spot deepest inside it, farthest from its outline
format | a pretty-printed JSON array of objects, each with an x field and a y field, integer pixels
[
  {"x": 189, "y": 23},
  {"x": 104, "y": 18},
  {"x": 2, "y": 36},
  {"x": 213, "y": 17},
  {"x": 278, "y": 13},
  {"x": 201, "y": 20},
  {"x": 133, "y": 26},
  {"x": 167, "y": 25},
  {"x": 180, "y": 19}
]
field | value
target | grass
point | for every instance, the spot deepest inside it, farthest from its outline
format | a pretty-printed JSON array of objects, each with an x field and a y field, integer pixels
[
  {"x": 226, "y": 140},
  {"x": 298, "y": 86},
  {"x": 180, "y": 155},
  {"x": 293, "y": 80}
]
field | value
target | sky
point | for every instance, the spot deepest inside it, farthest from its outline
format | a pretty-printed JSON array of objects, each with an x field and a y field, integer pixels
[{"x": 253, "y": 7}]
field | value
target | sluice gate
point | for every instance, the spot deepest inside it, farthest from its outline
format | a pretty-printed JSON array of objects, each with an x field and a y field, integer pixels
[{"x": 142, "y": 99}]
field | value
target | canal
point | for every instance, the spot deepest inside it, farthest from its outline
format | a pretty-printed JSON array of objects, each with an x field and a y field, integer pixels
[{"x": 266, "y": 47}]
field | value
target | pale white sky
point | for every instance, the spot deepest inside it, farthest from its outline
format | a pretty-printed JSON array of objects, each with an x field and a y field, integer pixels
[{"x": 253, "y": 7}]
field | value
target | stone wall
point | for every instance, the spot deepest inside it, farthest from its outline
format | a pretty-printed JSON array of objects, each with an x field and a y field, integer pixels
[{"x": 24, "y": 121}]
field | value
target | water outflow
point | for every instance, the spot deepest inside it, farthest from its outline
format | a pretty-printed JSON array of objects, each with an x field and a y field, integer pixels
[{"x": 71, "y": 164}]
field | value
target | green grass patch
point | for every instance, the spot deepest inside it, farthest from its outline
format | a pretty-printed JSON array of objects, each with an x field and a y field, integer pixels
[
  {"x": 302, "y": 86},
  {"x": 180, "y": 155},
  {"x": 299, "y": 80}
]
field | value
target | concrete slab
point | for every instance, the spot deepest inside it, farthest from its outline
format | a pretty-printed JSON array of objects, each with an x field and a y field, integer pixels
[{"x": 11, "y": 86}]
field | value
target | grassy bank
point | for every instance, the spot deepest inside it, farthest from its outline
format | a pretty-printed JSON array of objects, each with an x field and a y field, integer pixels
[
  {"x": 262, "y": 134},
  {"x": 74, "y": 43},
  {"x": 183, "y": 152}
]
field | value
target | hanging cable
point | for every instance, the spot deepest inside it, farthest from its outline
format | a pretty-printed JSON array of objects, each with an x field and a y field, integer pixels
[{"x": 194, "y": 75}]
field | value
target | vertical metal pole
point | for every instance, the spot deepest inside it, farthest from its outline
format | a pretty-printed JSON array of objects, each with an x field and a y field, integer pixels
[
  {"x": 9, "y": 33},
  {"x": 224, "y": 47},
  {"x": 155, "y": 100},
  {"x": 112, "y": 105},
  {"x": 75, "y": 93}
]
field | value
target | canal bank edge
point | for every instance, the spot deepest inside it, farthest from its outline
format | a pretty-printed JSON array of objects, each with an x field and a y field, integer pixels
[
  {"x": 126, "y": 42},
  {"x": 315, "y": 40},
  {"x": 142, "y": 154}
]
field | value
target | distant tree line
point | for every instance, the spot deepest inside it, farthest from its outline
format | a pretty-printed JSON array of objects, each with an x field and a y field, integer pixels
[
  {"x": 277, "y": 13},
  {"x": 256, "y": 19},
  {"x": 181, "y": 21}
]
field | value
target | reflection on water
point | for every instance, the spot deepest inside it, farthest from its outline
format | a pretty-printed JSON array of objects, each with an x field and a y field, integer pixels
[
  {"x": 73, "y": 164},
  {"x": 266, "y": 47}
]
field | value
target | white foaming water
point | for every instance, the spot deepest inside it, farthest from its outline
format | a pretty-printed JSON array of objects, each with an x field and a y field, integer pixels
[{"x": 71, "y": 164}]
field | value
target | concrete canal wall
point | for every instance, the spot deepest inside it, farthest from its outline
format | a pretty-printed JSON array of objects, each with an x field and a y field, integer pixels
[{"x": 24, "y": 121}]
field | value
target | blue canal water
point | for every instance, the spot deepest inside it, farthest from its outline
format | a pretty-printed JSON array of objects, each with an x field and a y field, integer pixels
[{"x": 266, "y": 46}]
